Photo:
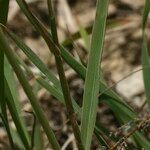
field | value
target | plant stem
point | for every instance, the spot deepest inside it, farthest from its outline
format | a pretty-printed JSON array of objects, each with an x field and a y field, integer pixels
[{"x": 63, "y": 80}]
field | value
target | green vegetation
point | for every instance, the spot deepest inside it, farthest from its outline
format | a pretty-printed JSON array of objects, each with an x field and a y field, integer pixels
[{"x": 95, "y": 89}]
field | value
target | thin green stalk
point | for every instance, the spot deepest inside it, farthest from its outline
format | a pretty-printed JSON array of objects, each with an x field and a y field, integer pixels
[
  {"x": 53, "y": 24},
  {"x": 63, "y": 80},
  {"x": 28, "y": 90}
]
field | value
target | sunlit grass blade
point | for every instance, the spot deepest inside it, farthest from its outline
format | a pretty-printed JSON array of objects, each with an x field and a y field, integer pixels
[
  {"x": 28, "y": 90},
  {"x": 91, "y": 90}
]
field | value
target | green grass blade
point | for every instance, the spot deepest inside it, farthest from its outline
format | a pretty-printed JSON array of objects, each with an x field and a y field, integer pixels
[
  {"x": 58, "y": 95},
  {"x": 11, "y": 81},
  {"x": 16, "y": 117},
  {"x": 85, "y": 37},
  {"x": 38, "y": 140},
  {"x": 145, "y": 52},
  {"x": 146, "y": 71},
  {"x": 91, "y": 89},
  {"x": 28, "y": 90},
  {"x": 142, "y": 142},
  {"x": 79, "y": 68},
  {"x": 35, "y": 59},
  {"x": 9, "y": 75}
]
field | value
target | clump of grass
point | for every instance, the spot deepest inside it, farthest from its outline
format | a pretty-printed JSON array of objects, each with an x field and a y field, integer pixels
[{"x": 95, "y": 90}]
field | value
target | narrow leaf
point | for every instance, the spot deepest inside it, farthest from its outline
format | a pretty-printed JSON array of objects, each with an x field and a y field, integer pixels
[
  {"x": 146, "y": 71},
  {"x": 28, "y": 90},
  {"x": 35, "y": 59},
  {"x": 91, "y": 89}
]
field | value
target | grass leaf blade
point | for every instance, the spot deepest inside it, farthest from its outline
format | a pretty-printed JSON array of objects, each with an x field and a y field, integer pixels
[
  {"x": 146, "y": 71},
  {"x": 92, "y": 77},
  {"x": 28, "y": 90}
]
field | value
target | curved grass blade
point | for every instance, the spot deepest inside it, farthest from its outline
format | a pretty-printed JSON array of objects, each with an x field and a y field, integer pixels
[
  {"x": 28, "y": 90},
  {"x": 91, "y": 89},
  {"x": 35, "y": 59}
]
